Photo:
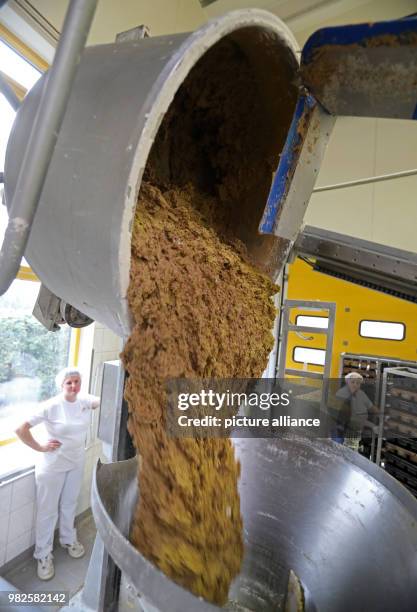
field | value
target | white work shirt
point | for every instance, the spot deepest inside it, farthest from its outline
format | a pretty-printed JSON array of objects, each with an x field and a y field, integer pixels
[{"x": 67, "y": 422}]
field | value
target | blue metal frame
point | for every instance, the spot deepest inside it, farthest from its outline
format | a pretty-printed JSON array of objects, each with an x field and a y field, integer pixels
[
  {"x": 359, "y": 34},
  {"x": 403, "y": 31},
  {"x": 287, "y": 164}
]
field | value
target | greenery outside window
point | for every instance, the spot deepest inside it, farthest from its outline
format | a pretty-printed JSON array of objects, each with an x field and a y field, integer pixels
[{"x": 30, "y": 356}]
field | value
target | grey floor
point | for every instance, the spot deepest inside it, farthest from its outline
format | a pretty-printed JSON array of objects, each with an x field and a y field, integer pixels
[{"x": 69, "y": 573}]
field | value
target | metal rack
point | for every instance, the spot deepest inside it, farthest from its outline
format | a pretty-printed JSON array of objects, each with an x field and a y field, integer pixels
[
  {"x": 397, "y": 439},
  {"x": 372, "y": 368}
]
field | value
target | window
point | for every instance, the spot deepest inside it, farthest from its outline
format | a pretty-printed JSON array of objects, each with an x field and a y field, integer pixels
[
  {"x": 384, "y": 330},
  {"x": 302, "y": 354},
  {"x": 312, "y": 321},
  {"x": 30, "y": 356},
  {"x": 17, "y": 68},
  {"x": 23, "y": 75},
  {"x": 20, "y": 72},
  {"x": 7, "y": 115}
]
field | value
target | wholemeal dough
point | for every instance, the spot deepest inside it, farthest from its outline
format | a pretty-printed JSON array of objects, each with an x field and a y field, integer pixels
[{"x": 202, "y": 308}]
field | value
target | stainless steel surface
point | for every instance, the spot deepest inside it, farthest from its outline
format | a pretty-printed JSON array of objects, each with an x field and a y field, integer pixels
[
  {"x": 41, "y": 137},
  {"x": 366, "y": 69},
  {"x": 52, "y": 312},
  {"x": 381, "y": 363},
  {"x": 381, "y": 417},
  {"x": 47, "y": 309},
  {"x": 346, "y": 528},
  {"x": 375, "y": 265},
  {"x": 297, "y": 171},
  {"x": 8, "y": 93},
  {"x": 119, "y": 98},
  {"x": 111, "y": 406}
]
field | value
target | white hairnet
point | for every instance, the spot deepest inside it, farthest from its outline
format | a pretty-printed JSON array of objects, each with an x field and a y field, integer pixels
[
  {"x": 354, "y": 375},
  {"x": 66, "y": 373}
]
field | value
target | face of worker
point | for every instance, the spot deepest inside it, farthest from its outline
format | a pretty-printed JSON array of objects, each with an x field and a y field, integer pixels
[
  {"x": 71, "y": 387},
  {"x": 354, "y": 384}
]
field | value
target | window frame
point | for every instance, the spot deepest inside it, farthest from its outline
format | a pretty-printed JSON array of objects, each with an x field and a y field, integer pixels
[
  {"x": 22, "y": 49},
  {"x": 25, "y": 272},
  {"x": 404, "y": 326}
]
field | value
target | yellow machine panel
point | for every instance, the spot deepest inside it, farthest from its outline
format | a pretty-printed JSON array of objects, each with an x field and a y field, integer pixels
[{"x": 353, "y": 305}]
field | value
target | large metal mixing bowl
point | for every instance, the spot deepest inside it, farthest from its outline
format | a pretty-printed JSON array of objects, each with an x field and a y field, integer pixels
[
  {"x": 80, "y": 241},
  {"x": 346, "y": 528}
]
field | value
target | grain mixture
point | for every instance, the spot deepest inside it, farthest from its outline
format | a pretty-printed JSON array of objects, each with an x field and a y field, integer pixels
[{"x": 202, "y": 308}]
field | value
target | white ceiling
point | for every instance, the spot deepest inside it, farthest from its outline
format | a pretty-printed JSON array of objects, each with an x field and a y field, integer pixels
[
  {"x": 305, "y": 16},
  {"x": 168, "y": 16}
]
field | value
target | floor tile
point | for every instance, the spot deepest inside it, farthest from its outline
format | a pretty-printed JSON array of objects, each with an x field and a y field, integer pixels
[{"x": 69, "y": 573}]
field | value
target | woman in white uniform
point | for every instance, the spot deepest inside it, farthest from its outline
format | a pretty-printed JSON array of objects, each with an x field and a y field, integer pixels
[{"x": 60, "y": 465}]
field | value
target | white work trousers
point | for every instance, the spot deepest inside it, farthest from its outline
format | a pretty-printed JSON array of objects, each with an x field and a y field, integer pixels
[{"x": 56, "y": 490}]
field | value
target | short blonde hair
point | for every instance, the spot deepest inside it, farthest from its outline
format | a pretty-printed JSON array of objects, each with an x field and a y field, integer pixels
[{"x": 64, "y": 374}]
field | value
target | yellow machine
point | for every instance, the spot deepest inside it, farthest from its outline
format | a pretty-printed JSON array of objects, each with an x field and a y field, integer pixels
[{"x": 353, "y": 305}]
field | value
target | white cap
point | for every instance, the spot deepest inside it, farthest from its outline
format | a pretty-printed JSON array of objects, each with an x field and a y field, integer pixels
[
  {"x": 66, "y": 373},
  {"x": 354, "y": 375}
]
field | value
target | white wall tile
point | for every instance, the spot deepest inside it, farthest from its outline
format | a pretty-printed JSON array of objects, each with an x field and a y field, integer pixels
[
  {"x": 347, "y": 211},
  {"x": 4, "y": 528},
  {"x": 110, "y": 355},
  {"x": 18, "y": 545},
  {"x": 111, "y": 342},
  {"x": 395, "y": 213},
  {"x": 21, "y": 521},
  {"x": 396, "y": 148},
  {"x": 23, "y": 491},
  {"x": 5, "y": 498},
  {"x": 350, "y": 154},
  {"x": 86, "y": 484},
  {"x": 98, "y": 339},
  {"x": 2, "y": 555},
  {"x": 84, "y": 357}
]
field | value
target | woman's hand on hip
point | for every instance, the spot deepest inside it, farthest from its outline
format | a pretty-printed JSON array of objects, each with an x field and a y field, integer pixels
[{"x": 51, "y": 445}]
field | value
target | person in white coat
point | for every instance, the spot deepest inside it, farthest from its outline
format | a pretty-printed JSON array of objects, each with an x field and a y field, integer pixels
[{"x": 60, "y": 465}]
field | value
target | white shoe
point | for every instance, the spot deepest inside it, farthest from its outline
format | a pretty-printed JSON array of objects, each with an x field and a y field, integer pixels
[
  {"x": 75, "y": 550},
  {"x": 46, "y": 569}
]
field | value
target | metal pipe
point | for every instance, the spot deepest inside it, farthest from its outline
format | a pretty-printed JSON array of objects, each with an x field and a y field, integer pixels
[
  {"x": 9, "y": 93},
  {"x": 43, "y": 137},
  {"x": 367, "y": 181}
]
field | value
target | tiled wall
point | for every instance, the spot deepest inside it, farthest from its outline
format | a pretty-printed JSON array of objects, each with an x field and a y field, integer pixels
[
  {"x": 106, "y": 347},
  {"x": 17, "y": 507},
  {"x": 17, "y": 496}
]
